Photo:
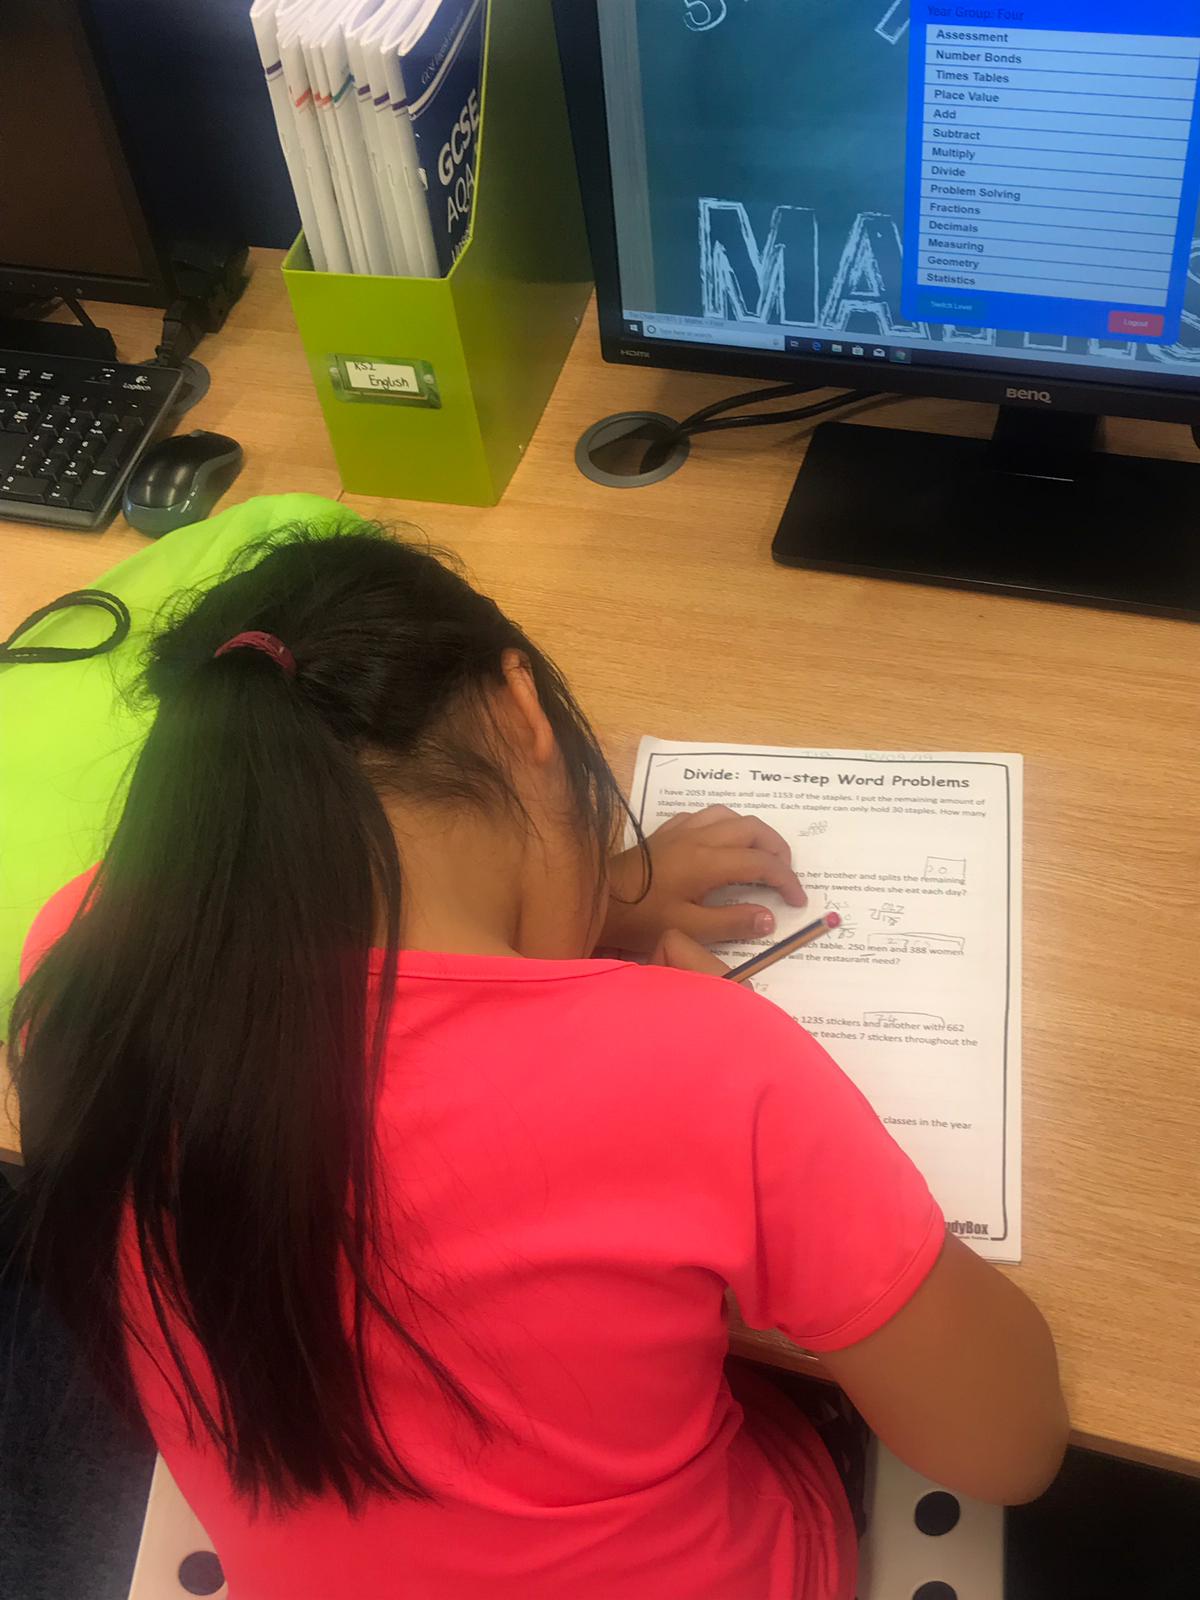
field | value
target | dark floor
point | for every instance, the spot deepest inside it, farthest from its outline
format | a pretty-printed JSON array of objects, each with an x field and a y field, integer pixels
[
  {"x": 73, "y": 1483},
  {"x": 1106, "y": 1530}
]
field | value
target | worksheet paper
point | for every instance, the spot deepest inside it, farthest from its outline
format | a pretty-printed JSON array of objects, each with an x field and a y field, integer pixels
[{"x": 918, "y": 995}]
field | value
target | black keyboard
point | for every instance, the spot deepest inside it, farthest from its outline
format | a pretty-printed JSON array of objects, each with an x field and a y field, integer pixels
[{"x": 71, "y": 431}]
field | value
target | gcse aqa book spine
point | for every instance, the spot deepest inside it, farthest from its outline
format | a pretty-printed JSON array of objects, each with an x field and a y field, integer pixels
[{"x": 442, "y": 73}]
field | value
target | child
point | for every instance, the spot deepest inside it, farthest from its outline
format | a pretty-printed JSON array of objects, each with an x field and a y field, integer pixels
[{"x": 406, "y": 1225}]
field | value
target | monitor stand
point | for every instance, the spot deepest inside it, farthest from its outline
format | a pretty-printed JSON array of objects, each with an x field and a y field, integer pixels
[
  {"x": 81, "y": 338},
  {"x": 1036, "y": 511}
]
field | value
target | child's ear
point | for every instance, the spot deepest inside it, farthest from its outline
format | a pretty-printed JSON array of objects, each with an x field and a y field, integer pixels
[{"x": 528, "y": 724}]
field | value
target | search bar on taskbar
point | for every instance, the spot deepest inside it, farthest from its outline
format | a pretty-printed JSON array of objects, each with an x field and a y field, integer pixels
[{"x": 690, "y": 334}]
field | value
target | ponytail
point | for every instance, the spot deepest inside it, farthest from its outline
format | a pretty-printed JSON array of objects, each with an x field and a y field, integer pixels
[{"x": 197, "y": 1058}]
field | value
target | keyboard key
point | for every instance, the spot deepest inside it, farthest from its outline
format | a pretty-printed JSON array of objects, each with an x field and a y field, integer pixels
[
  {"x": 20, "y": 487},
  {"x": 60, "y": 496},
  {"x": 18, "y": 422},
  {"x": 58, "y": 416},
  {"x": 120, "y": 447},
  {"x": 95, "y": 490},
  {"x": 12, "y": 448}
]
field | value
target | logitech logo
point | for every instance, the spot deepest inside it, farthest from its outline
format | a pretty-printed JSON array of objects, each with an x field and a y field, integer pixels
[{"x": 1042, "y": 395}]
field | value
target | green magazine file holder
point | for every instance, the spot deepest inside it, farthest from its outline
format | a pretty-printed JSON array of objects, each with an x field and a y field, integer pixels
[{"x": 431, "y": 387}]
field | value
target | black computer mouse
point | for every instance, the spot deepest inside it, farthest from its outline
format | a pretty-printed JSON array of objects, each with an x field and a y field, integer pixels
[{"x": 179, "y": 480}]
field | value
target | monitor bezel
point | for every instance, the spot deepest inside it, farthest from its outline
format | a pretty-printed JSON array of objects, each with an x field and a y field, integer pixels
[{"x": 578, "y": 29}]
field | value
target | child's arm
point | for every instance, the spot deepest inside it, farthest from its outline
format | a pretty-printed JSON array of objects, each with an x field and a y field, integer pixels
[
  {"x": 844, "y": 1249},
  {"x": 691, "y": 855},
  {"x": 962, "y": 1383}
]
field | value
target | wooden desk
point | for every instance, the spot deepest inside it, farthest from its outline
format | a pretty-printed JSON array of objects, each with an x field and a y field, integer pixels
[{"x": 665, "y": 610}]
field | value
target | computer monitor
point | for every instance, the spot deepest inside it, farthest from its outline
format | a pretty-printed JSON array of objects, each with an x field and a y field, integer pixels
[
  {"x": 70, "y": 220},
  {"x": 998, "y": 202}
]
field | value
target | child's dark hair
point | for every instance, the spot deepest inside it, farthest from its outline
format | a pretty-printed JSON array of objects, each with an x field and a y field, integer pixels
[{"x": 195, "y": 1059}]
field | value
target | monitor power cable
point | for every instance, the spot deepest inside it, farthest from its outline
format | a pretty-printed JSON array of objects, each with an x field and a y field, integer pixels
[
  {"x": 632, "y": 448},
  {"x": 716, "y": 418}
]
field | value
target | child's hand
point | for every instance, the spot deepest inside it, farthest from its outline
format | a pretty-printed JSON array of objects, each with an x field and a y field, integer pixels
[
  {"x": 676, "y": 950},
  {"x": 691, "y": 855}
]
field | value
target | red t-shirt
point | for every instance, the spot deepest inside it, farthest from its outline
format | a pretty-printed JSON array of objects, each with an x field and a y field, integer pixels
[{"x": 583, "y": 1156}]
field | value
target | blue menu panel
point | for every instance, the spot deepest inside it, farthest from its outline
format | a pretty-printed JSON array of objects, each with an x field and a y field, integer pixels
[{"x": 1053, "y": 165}]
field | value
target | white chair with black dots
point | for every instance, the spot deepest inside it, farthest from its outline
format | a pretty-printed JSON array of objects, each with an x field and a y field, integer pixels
[
  {"x": 921, "y": 1543},
  {"x": 175, "y": 1558},
  {"x": 924, "y": 1543}
]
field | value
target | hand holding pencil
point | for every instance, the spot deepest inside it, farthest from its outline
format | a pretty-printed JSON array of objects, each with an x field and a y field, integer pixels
[
  {"x": 785, "y": 947},
  {"x": 679, "y": 950}
]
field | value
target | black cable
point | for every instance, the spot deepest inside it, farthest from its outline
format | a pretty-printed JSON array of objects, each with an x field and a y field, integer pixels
[
  {"x": 780, "y": 391},
  {"x": 12, "y": 653},
  {"x": 798, "y": 414},
  {"x": 710, "y": 420}
]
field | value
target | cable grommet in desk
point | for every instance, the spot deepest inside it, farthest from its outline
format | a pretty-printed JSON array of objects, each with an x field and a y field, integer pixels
[{"x": 631, "y": 449}]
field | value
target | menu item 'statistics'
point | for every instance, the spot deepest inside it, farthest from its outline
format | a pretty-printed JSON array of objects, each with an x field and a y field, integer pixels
[
  {"x": 1053, "y": 171},
  {"x": 917, "y": 994}
]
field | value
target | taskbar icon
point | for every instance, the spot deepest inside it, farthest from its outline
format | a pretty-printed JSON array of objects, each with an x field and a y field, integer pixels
[{"x": 847, "y": 349}]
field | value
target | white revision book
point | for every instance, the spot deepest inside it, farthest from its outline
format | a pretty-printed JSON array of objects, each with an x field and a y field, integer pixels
[
  {"x": 391, "y": 140},
  {"x": 338, "y": 111},
  {"x": 290, "y": 17},
  {"x": 266, "y": 33},
  {"x": 331, "y": 136},
  {"x": 387, "y": 43},
  {"x": 918, "y": 995},
  {"x": 370, "y": 88}
]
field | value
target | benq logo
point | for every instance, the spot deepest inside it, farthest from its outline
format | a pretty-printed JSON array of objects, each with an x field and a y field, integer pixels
[{"x": 1029, "y": 394}]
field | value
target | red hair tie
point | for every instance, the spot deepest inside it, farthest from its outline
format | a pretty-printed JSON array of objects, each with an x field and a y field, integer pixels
[{"x": 268, "y": 644}]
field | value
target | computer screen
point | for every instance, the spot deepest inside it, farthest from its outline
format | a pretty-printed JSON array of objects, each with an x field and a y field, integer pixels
[
  {"x": 976, "y": 187},
  {"x": 67, "y": 205}
]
